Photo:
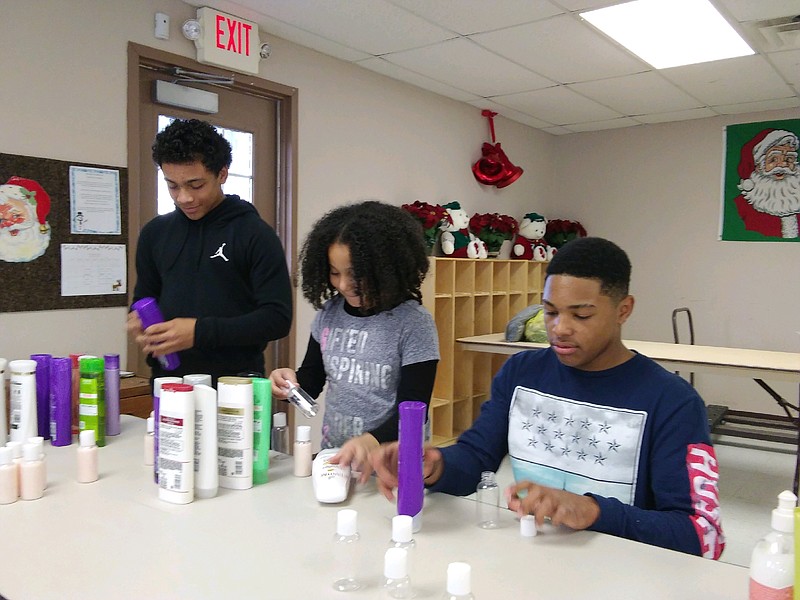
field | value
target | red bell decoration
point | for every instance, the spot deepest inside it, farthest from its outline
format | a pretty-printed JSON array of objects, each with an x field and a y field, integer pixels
[{"x": 494, "y": 167}]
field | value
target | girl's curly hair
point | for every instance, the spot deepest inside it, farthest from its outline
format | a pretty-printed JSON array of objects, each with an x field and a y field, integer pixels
[{"x": 387, "y": 254}]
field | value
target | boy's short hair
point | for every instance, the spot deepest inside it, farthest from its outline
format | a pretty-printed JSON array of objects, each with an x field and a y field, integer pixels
[
  {"x": 594, "y": 258},
  {"x": 188, "y": 140}
]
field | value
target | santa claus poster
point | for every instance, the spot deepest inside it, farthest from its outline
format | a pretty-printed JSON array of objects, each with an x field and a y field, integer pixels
[{"x": 761, "y": 182}]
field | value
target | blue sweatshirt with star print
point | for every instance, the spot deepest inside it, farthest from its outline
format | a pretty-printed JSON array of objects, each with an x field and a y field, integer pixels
[{"x": 634, "y": 437}]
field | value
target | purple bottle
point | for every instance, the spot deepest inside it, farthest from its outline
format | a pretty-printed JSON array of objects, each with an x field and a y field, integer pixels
[
  {"x": 42, "y": 393},
  {"x": 150, "y": 314},
  {"x": 111, "y": 385},
  {"x": 410, "y": 484},
  {"x": 61, "y": 401}
]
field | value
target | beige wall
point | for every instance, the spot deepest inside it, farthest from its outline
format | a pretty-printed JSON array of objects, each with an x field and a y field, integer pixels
[{"x": 654, "y": 189}]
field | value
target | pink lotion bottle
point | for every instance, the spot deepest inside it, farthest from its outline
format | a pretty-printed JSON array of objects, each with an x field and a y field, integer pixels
[
  {"x": 87, "y": 457},
  {"x": 31, "y": 473},
  {"x": 9, "y": 483}
]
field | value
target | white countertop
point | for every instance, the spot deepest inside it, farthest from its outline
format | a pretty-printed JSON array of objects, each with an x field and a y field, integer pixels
[{"x": 113, "y": 539}]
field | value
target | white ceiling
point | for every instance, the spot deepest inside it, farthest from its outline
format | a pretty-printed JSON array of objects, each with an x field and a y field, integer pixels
[{"x": 537, "y": 61}]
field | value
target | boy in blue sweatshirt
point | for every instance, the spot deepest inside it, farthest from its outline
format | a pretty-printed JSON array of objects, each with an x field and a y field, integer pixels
[{"x": 599, "y": 436}]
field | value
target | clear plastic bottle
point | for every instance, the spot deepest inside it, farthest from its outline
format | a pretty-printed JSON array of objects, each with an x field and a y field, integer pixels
[
  {"x": 772, "y": 563},
  {"x": 459, "y": 582},
  {"x": 402, "y": 530},
  {"x": 280, "y": 436},
  {"x": 346, "y": 551},
  {"x": 396, "y": 583},
  {"x": 488, "y": 501}
]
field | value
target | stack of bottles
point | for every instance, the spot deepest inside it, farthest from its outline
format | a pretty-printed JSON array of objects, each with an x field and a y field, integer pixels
[
  {"x": 349, "y": 563},
  {"x": 55, "y": 398}
]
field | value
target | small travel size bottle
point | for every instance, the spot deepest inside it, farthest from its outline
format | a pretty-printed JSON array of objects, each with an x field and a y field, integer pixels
[
  {"x": 346, "y": 551},
  {"x": 280, "y": 436},
  {"x": 16, "y": 455},
  {"x": 39, "y": 441},
  {"x": 402, "y": 526},
  {"x": 149, "y": 442},
  {"x": 396, "y": 583},
  {"x": 302, "y": 451},
  {"x": 31, "y": 473},
  {"x": 459, "y": 582},
  {"x": 488, "y": 501},
  {"x": 9, "y": 478},
  {"x": 87, "y": 457}
]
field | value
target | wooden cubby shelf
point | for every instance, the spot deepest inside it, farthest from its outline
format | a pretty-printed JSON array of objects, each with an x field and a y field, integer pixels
[{"x": 472, "y": 297}]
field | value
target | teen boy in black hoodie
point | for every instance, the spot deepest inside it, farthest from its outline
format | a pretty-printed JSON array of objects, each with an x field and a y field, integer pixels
[{"x": 217, "y": 270}]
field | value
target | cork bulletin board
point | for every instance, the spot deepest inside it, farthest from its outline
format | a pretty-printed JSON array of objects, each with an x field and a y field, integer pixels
[{"x": 36, "y": 285}]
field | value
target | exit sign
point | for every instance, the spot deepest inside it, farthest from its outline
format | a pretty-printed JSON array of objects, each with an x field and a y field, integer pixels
[{"x": 227, "y": 41}]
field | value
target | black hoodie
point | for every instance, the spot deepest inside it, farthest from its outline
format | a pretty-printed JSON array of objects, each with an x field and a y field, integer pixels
[{"x": 227, "y": 270}]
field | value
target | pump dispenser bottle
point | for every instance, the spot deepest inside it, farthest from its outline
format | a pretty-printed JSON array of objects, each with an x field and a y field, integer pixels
[{"x": 772, "y": 563}]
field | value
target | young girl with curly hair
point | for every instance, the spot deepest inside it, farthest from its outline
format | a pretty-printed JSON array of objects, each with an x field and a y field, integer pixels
[{"x": 372, "y": 341}]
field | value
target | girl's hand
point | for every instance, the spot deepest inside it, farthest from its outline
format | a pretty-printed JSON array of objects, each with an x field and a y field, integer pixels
[
  {"x": 279, "y": 379},
  {"x": 356, "y": 452}
]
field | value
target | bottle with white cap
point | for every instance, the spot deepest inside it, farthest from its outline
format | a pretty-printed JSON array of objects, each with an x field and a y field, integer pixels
[
  {"x": 23, "y": 400},
  {"x": 527, "y": 526},
  {"x": 772, "y": 563},
  {"x": 280, "y": 436},
  {"x": 39, "y": 441},
  {"x": 402, "y": 530},
  {"x": 302, "y": 451},
  {"x": 459, "y": 582},
  {"x": 397, "y": 583},
  {"x": 31, "y": 473},
  {"x": 149, "y": 441},
  {"x": 346, "y": 551},
  {"x": 87, "y": 456},
  {"x": 16, "y": 453},
  {"x": 9, "y": 478}
]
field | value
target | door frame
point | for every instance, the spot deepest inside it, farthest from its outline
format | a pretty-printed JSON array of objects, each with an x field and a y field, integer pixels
[{"x": 286, "y": 175}]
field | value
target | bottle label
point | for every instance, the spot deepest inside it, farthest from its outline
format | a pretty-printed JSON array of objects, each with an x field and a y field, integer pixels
[
  {"x": 759, "y": 591},
  {"x": 91, "y": 410}
]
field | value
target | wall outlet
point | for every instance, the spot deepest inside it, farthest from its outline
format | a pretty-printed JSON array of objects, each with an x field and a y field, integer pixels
[{"x": 162, "y": 26}]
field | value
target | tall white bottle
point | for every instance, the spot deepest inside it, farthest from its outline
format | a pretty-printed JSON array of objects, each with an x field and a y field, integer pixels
[
  {"x": 206, "y": 469},
  {"x": 23, "y": 400},
  {"x": 176, "y": 443},
  {"x": 235, "y": 432},
  {"x": 772, "y": 563}
]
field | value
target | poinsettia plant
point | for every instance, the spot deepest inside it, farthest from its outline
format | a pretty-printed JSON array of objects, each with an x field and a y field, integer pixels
[
  {"x": 561, "y": 231},
  {"x": 493, "y": 229},
  {"x": 429, "y": 216}
]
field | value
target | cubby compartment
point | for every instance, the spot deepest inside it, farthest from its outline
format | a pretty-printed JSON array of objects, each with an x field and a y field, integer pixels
[{"x": 471, "y": 297}]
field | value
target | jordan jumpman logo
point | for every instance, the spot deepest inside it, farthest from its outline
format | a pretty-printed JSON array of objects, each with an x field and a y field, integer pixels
[{"x": 219, "y": 254}]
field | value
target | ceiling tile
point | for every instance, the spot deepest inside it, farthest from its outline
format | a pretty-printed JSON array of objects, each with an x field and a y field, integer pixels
[
  {"x": 310, "y": 40},
  {"x": 557, "y": 130},
  {"x": 574, "y": 5},
  {"x": 731, "y": 81},
  {"x": 472, "y": 16},
  {"x": 637, "y": 94},
  {"x": 562, "y": 49},
  {"x": 463, "y": 64},
  {"x": 558, "y": 105},
  {"x": 602, "y": 125},
  {"x": 758, "y": 10},
  {"x": 379, "y": 65},
  {"x": 747, "y": 107},
  {"x": 373, "y": 26},
  {"x": 788, "y": 65},
  {"x": 681, "y": 115}
]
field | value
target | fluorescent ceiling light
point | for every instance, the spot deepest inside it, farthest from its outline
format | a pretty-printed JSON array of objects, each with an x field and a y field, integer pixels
[{"x": 670, "y": 33}]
